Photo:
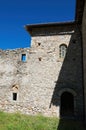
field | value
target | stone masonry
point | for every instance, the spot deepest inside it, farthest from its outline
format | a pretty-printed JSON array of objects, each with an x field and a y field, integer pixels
[
  {"x": 84, "y": 54},
  {"x": 40, "y": 81}
]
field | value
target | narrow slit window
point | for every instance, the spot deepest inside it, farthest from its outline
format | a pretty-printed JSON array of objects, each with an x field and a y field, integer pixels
[
  {"x": 39, "y": 44},
  {"x": 40, "y": 58},
  {"x": 14, "y": 96},
  {"x": 23, "y": 57}
]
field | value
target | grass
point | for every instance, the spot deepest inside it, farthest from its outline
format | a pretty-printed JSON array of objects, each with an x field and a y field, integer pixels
[{"x": 17, "y": 121}]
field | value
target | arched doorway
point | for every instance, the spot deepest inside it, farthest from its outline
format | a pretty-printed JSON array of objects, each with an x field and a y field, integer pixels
[{"x": 67, "y": 104}]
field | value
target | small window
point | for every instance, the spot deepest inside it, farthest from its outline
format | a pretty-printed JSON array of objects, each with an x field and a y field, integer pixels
[
  {"x": 62, "y": 50},
  {"x": 15, "y": 96},
  {"x": 40, "y": 58},
  {"x": 23, "y": 57},
  {"x": 39, "y": 44}
]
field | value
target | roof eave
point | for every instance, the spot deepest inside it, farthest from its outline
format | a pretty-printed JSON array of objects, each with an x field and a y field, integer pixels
[{"x": 31, "y": 26}]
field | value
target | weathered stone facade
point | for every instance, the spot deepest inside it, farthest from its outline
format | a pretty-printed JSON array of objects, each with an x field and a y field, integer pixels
[
  {"x": 40, "y": 81},
  {"x": 84, "y": 54}
]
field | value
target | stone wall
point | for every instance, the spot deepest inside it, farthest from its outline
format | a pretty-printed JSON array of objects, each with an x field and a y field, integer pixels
[
  {"x": 84, "y": 53},
  {"x": 44, "y": 76}
]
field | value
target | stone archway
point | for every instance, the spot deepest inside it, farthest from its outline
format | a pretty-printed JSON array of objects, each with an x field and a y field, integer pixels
[{"x": 67, "y": 104}]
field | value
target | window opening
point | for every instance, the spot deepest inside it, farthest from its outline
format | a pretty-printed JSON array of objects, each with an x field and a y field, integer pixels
[
  {"x": 62, "y": 51},
  {"x": 40, "y": 58},
  {"x": 15, "y": 96},
  {"x": 39, "y": 44},
  {"x": 23, "y": 58}
]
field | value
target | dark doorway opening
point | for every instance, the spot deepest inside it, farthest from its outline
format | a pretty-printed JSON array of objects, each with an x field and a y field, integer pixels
[{"x": 67, "y": 105}]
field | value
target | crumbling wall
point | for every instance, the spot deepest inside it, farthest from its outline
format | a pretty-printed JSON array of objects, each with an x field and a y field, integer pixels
[{"x": 34, "y": 80}]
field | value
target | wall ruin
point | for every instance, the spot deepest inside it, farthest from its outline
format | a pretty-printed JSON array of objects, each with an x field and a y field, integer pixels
[{"x": 44, "y": 76}]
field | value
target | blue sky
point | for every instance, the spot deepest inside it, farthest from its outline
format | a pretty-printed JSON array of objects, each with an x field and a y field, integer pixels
[{"x": 14, "y": 14}]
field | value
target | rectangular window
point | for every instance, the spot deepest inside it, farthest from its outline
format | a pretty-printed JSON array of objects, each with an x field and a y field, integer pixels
[
  {"x": 23, "y": 57},
  {"x": 15, "y": 96}
]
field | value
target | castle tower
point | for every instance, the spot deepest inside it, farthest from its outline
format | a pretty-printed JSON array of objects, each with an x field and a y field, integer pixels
[{"x": 60, "y": 49}]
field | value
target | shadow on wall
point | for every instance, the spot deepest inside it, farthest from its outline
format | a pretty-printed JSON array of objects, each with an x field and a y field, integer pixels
[
  {"x": 68, "y": 92},
  {"x": 70, "y": 125}
]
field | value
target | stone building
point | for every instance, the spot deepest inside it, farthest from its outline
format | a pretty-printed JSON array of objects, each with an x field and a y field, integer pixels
[
  {"x": 48, "y": 77},
  {"x": 84, "y": 54}
]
